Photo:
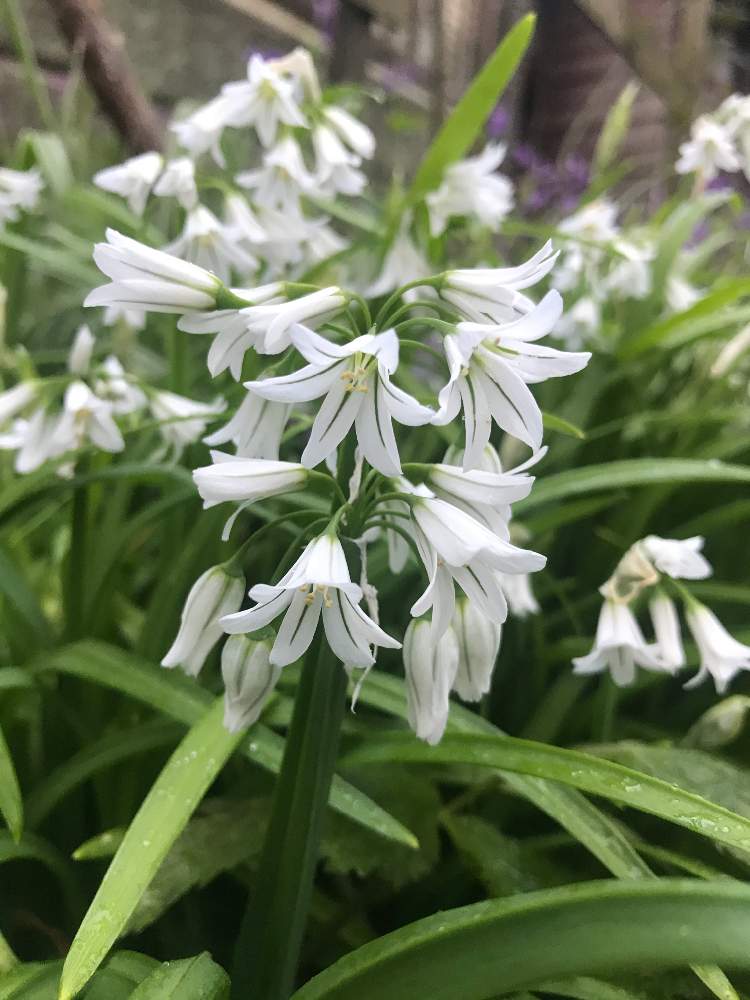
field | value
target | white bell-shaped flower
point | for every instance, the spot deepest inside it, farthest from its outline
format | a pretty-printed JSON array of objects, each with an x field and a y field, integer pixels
[
  {"x": 132, "y": 180},
  {"x": 181, "y": 420},
  {"x": 478, "y": 645},
  {"x": 721, "y": 655},
  {"x": 681, "y": 559},
  {"x": 619, "y": 646},
  {"x": 178, "y": 181},
  {"x": 249, "y": 679},
  {"x": 79, "y": 357},
  {"x": 255, "y": 428},
  {"x": 85, "y": 416},
  {"x": 430, "y": 671},
  {"x": 209, "y": 243},
  {"x": 667, "y": 630},
  {"x": 232, "y": 477},
  {"x": 709, "y": 150},
  {"x": 472, "y": 188}
]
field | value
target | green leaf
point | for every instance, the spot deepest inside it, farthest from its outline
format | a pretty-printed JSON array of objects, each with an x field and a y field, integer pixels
[
  {"x": 571, "y": 767},
  {"x": 11, "y": 805},
  {"x": 15, "y": 589},
  {"x": 464, "y": 124},
  {"x": 198, "y": 978},
  {"x": 631, "y": 472},
  {"x": 555, "y": 423},
  {"x": 586, "y": 988},
  {"x": 491, "y": 948},
  {"x": 49, "y": 260},
  {"x": 166, "y": 809},
  {"x": 677, "y": 229},
  {"x": 615, "y": 128},
  {"x": 174, "y": 695}
]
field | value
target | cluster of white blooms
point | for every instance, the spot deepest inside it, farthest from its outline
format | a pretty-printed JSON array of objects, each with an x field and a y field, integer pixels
[
  {"x": 719, "y": 142},
  {"x": 652, "y": 565},
  {"x": 450, "y": 518},
  {"x": 472, "y": 188},
  {"x": 45, "y": 419},
  {"x": 19, "y": 192}
]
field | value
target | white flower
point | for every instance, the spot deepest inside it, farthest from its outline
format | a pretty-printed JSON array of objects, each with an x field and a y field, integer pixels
[
  {"x": 215, "y": 593},
  {"x": 34, "y": 441},
  {"x": 591, "y": 229},
  {"x": 79, "y": 357},
  {"x": 472, "y": 188},
  {"x": 630, "y": 276},
  {"x": 667, "y": 631},
  {"x": 118, "y": 388},
  {"x": 178, "y": 181},
  {"x": 19, "y": 190},
  {"x": 255, "y": 429},
  {"x": 734, "y": 112},
  {"x": 430, "y": 671},
  {"x": 493, "y": 294},
  {"x": 265, "y": 100},
  {"x": 319, "y": 582},
  {"x": 242, "y": 225},
  {"x": 709, "y": 150},
  {"x": 337, "y": 168},
  {"x": 722, "y": 656},
  {"x": 518, "y": 594},
  {"x": 490, "y": 366},
  {"x": 144, "y": 278},
  {"x": 209, "y": 243},
  {"x": 298, "y": 65},
  {"x": 579, "y": 324},
  {"x": 116, "y": 313},
  {"x": 282, "y": 178},
  {"x": 355, "y": 379},
  {"x": 234, "y": 478},
  {"x": 85, "y": 415},
  {"x": 404, "y": 262},
  {"x": 357, "y": 136},
  {"x": 12, "y": 401},
  {"x": 132, "y": 180},
  {"x": 680, "y": 559},
  {"x": 201, "y": 131},
  {"x": 182, "y": 420},
  {"x": 249, "y": 679},
  {"x": 478, "y": 645},
  {"x": 680, "y": 294},
  {"x": 619, "y": 647}
]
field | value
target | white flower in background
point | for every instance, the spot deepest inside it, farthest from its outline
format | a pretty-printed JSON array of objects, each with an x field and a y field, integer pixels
[
  {"x": 579, "y": 324},
  {"x": 680, "y": 559},
  {"x": 132, "y": 180},
  {"x": 731, "y": 352},
  {"x": 112, "y": 383},
  {"x": 201, "y": 131},
  {"x": 404, "y": 262},
  {"x": 590, "y": 229},
  {"x": 430, "y": 671},
  {"x": 33, "y": 441},
  {"x": 472, "y": 188},
  {"x": 354, "y": 133},
  {"x": 321, "y": 241},
  {"x": 13, "y": 400},
  {"x": 215, "y": 593},
  {"x": 478, "y": 645},
  {"x": 79, "y": 358},
  {"x": 299, "y": 67},
  {"x": 265, "y": 100},
  {"x": 709, "y": 150},
  {"x": 734, "y": 112},
  {"x": 274, "y": 321},
  {"x": 282, "y": 178},
  {"x": 135, "y": 319},
  {"x": 241, "y": 479},
  {"x": 337, "y": 169},
  {"x": 249, "y": 679},
  {"x": 630, "y": 275},
  {"x": 518, "y": 594},
  {"x": 178, "y": 181},
  {"x": 619, "y": 647},
  {"x": 318, "y": 584},
  {"x": 355, "y": 379},
  {"x": 490, "y": 366},
  {"x": 148, "y": 279},
  {"x": 667, "y": 630},
  {"x": 209, "y": 243},
  {"x": 493, "y": 294},
  {"x": 84, "y": 416},
  {"x": 595, "y": 222},
  {"x": 242, "y": 224},
  {"x": 721, "y": 655},
  {"x": 255, "y": 428},
  {"x": 681, "y": 294},
  {"x": 181, "y": 420},
  {"x": 19, "y": 191}
]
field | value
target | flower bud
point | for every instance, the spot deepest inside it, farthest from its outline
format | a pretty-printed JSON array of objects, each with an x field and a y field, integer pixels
[
  {"x": 247, "y": 479},
  {"x": 215, "y": 593},
  {"x": 667, "y": 631},
  {"x": 249, "y": 678},
  {"x": 430, "y": 673},
  {"x": 478, "y": 646},
  {"x": 79, "y": 358}
]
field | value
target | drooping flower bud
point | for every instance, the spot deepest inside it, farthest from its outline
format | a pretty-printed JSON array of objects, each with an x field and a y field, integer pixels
[
  {"x": 478, "y": 646},
  {"x": 249, "y": 679},
  {"x": 430, "y": 673}
]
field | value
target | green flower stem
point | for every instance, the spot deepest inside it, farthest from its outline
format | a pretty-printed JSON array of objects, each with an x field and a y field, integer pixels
[
  {"x": 271, "y": 935},
  {"x": 74, "y": 581},
  {"x": 385, "y": 309}
]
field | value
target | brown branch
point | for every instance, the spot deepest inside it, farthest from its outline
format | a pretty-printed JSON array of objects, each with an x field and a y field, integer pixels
[{"x": 109, "y": 72}]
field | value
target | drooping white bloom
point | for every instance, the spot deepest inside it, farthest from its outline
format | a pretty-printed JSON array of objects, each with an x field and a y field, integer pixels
[
  {"x": 201, "y": 131},
  {"x": 404, "y": 262},
  {"x": 580, "y": 324},
  {"x": 34, "y": 441},
  {"x": 241, "y": 479},
  {"x": 13, "y": 400},
  {"x": 490, "y": 366},
  {"x": 518, "y": 594},
  {"x": 19, "y": 191},
  {"x": 182, "y": 420},
  {"x": 249, "y": 679},
  {"x": 590, "y": 230},
  {"x": 318, "y": 584},
  {"x": 667, "y": 631},
  {"x": 144, "y": 278},
  {"x": 299, "y": 67},
  {"x": 619, "y": 647},
  {"x": 337, "y": 169},
  {"x": 215, "y": 593},
  {"x": 79, "y": 358},
  {"x": 255, "y": 429},
  {"x": 132, "y": 180},
  {"x": 355, "y": 379},
  {"x": 265, "y": 100},
  {"x": 121, "y": 390},
  {"x": 721, "y": 655},
  {"x": 85, "y": 416},
  {"x": 357, "y": 136},
  {"x": 430, "y": 671},
  {"x": 679, "y": 558},
  {"x": 472, "y": 187},
  {"x": 709, "y": 150},
  {"x": 680, "y": 293},
  {"x": 478, "y": 645},
  {"x": 734, "y": 112},
  {"x": 630, "y": 277},
  {"x": 117, "y": 313},
  {"x": 178, "y": 181},
  {"x": 207, "y": 242},
  {"x": 242, "y": 224},
  {"x": 282, "y": 178}
]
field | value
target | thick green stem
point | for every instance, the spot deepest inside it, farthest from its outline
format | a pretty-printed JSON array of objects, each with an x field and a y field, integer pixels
[
  {"x": 74, "y": 584},
  {"x": 271, "y": 936}
]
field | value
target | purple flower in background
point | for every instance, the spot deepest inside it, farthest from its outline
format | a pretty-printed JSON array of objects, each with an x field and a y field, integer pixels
[
  {"x": 324, "y": 15},
  {"x": 498, "y": 122},
  {"x": 548, "y": 184}
]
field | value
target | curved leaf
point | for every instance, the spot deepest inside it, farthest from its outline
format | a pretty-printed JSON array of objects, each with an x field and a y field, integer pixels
[
  {"x": 198, "y": 978},
  {"x": 11, "y": 805}
]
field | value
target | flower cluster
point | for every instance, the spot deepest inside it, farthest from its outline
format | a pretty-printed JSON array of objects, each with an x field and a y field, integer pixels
[
  {"x": 719, "y": 142},
  {"x": 653, "y": 565},
  {"x": 19, "y": 192}
]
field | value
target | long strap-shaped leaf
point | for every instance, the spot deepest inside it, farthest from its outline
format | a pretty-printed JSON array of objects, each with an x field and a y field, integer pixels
[
  {"x": 489, "y": 949},
  {"x": 571, "y": 767},
  {"x": 185, "y": 701},
  {"x": 11, "y": 805}
]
